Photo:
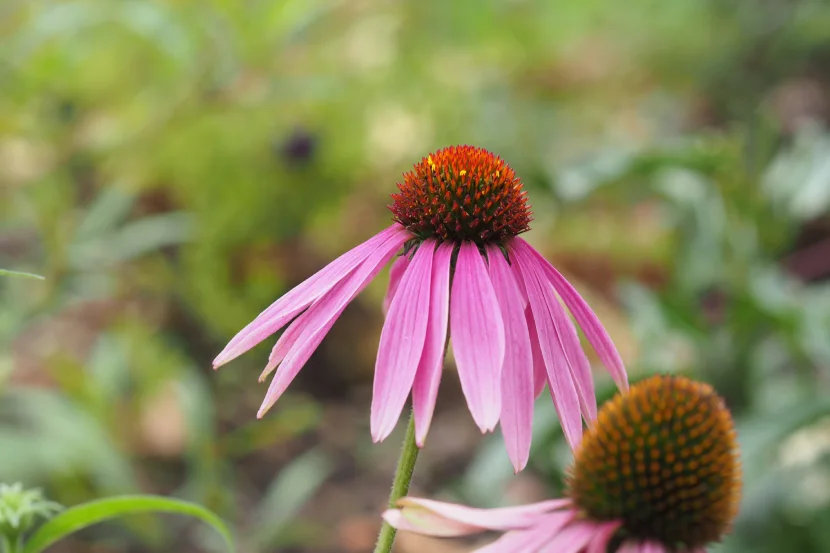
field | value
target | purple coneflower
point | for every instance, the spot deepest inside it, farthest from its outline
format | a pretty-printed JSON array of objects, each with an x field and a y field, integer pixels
[
  {"x": 460, "y": 265},
  {"x": 657, "y": 473}
]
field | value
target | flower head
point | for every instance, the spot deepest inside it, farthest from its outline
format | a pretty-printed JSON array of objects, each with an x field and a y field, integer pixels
[
  {"x": 462, "y": 193},
  {"x": 657, "y": 473},
  {"x": 460, "y": 265}
]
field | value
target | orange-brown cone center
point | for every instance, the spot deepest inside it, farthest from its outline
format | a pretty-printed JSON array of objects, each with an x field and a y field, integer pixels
[{"x": 462, "y": 193}]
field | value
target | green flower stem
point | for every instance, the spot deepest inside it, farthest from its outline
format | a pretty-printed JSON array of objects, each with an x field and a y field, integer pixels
[{"x": 400, "y": 485}]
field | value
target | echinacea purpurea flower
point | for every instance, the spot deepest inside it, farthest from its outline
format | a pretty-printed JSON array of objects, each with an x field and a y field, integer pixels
[
  {"x": 462, "y": 266},
  {"x": 658, "y": 472}
]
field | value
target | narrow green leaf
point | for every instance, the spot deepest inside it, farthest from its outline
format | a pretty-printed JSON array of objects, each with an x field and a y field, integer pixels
[
  {"x": 6, "y": 272},
  {"x": 87, "y": 514}
]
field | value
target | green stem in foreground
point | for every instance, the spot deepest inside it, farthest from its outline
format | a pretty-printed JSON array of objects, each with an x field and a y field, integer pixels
[{"x": 400, "y": 485}]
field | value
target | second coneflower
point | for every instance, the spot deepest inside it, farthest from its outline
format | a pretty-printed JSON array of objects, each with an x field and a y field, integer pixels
[
  {"x": 659, "y": 472},
  {"x": 460, "y": 266}
]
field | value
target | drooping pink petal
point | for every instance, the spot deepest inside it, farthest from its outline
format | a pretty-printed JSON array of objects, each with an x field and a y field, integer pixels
[
  {"x": 287, "y": 340},
  {"x": 576, "y": 361},
  {"x": 652, "y": 547},
  {"x": 294, "y": 301},
  {"x": 401, "y": 343},
  {"x": 477, "y": 337},
  {"x": 530, "y": 540},
  {"x": 322, "y": 315},
  {"x": 503, "y": 518},
  {"x": 517, "y": 371},
  {"x": 428, "y": 376},
  {"x": 599, "y": 543},
  {"x": 540, "y": 375},
  {"x": 588, "y": 321},
  {"x": 395, "y": 274},
  {"x": 571, "y": 539},
  {"x": 427, "y": 523},
  {"x": 542, "y": 299}
]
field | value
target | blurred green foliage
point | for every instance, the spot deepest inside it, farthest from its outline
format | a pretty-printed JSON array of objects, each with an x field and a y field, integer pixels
[{"x": 171, "y": 166}]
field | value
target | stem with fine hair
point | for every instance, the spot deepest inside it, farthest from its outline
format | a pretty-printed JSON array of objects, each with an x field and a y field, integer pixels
[{"x": 400, "y": 485}]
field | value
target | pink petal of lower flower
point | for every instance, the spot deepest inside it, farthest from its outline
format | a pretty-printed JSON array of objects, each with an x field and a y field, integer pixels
[
  {"x": 530, "y": 540},
  {"x": 428, "y": 376},
  {"x": 652, "y": 547},
  {"x": 295, "y": 300},
  {"x": 322, "y": 315},
  {"x": 401, "y": 343},
  {"x": 503, "y": 518},
  {"x": 588, "y": 321},
  {"x": 572, "y": 539},
  {"x": 427, "y": 523},
  {"x": 542, "y": 300},
  {"x": 603, "y": 535},
  {"x": 516, "y": 418},
  {"x": 395, "y": 274},
  {"x": 477, "y": 336}
]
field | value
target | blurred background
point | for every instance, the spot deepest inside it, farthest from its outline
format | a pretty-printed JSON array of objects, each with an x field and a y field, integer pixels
[{"x": 173, "y": 166}]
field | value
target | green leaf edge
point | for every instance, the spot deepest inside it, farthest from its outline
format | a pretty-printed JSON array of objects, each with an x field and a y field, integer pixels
[
  {"x": 7, "y": 272},
  {"x": 81, "y": 516}
]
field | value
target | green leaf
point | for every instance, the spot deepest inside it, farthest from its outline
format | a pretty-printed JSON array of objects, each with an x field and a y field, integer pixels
[
  {"x": 87, "y": 514},
  {"x": 6, "y": 272}
]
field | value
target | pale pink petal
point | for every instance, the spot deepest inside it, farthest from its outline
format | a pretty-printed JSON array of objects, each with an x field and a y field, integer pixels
[
  {"x": 395, "y": 274},
  {"x": 629, "y": 547},
  {"x": 517, "y": 371},
  {"x": 652, "y": 547},
  {"x": 576, "y": 361},
  {"x": 428, "y": 376},
  {"x": 401, "y": 343},
  {"x": 540, "y": 374},
  {"x": 572, "y": 539},
  {"x": 543, "y": 302},
  {"x": 588, "y": 321},
  {"x": 288, "y": 339},
  {"x": 532, "y": 539},
  {"x": 503, "y": 518},
  {"x": 477, "y": 336},
  {"x": 427, "y": 523},
  {"x": 603, "y": 535},
  {"x": 322, "y": 315},
  {"x": 295, "y": 300}
]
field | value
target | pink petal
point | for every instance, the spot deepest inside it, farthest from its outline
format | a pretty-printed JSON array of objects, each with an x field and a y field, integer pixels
[
  {"x": 395, "y": 274},
  {"x": 427, "y": 523},
  {"x": 588, "y": 321},
  {"x": 314, "y": 326},
  {"x": 603, "y": 535},
  {"x": 517, "y": 371},
  {"x": 576, "y": 362},
  {"x": 428, "y": 376},
  {"x": 572, "y": 539},
  {"x": 477, "y": 336},
  {"x": 543, "y": 303},
  {"x": 540, "y": 374},
  {"x": 504, "y": 518},
  {"x": 629, "y": 547},
  {"x": 287, "y": 340},
  {"x": 295, "y": 300},
  {"x": 530, "y": 540},
  {"x": 652, "y": 547},
  {"x": 401, "y": 343}
]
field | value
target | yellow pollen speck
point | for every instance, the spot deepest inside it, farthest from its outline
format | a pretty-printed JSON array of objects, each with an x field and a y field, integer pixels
[{"x": 462, "y": 172}]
